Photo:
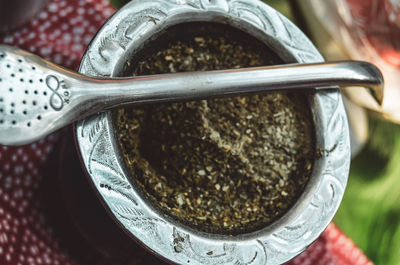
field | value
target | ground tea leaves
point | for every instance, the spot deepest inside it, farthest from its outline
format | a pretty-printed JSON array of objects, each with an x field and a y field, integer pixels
[{"x": 228, "y": 165}]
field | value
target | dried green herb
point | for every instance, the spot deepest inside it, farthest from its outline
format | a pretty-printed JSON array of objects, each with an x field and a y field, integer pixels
[{"x": 228, "y": 165}]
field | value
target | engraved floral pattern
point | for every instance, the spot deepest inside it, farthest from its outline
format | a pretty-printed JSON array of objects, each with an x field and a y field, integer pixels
[{"x": 118, "y": 39}]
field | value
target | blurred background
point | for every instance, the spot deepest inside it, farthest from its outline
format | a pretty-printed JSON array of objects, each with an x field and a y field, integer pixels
[{"x": 363, "y": 30}]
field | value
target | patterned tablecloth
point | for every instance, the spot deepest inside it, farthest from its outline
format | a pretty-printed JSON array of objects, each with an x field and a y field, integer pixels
[{"x": 61, "y": 33}]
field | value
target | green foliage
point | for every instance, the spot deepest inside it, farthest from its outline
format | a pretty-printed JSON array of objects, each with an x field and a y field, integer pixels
[
  {"x": 370, "y": 211},
  {"x": 119, "y": 3}
]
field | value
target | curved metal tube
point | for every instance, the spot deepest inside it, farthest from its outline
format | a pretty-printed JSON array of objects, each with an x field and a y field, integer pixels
[
  {"x": 52, "y": 97},
  {"x": 234, "y": 82}
]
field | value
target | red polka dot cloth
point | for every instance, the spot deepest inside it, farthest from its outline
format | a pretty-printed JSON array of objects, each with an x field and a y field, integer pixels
[{"x": 60, "y": 33}]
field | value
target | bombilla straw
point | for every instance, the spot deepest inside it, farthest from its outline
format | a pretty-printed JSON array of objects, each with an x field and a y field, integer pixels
[{"x": 38, "y": 97}]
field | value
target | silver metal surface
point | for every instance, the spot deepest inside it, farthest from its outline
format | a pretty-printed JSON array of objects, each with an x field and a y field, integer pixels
[
  {"x": 116, "y": 42},
  {"x": 39, "y": 97}
]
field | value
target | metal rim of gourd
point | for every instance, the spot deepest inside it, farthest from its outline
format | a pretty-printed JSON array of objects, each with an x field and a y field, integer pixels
[{"x": 106, "y": 55}]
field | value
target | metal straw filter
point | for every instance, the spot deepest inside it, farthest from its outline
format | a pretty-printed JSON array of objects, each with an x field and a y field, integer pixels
[{"x": 39, "y": 97}]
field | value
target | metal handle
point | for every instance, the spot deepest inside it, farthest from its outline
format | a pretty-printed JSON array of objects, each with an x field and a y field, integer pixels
[{"x": 235, "y": 82}]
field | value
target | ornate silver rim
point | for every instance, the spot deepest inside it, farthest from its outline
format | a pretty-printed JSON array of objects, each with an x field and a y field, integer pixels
[{"x": 118, "y": 39}]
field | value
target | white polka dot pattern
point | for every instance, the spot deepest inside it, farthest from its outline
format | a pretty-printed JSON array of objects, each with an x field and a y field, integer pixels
[
  {"x": 332, "y": 248},
  {"x": 60, "y": 33},
  {"x": 24, "y": 236}
]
